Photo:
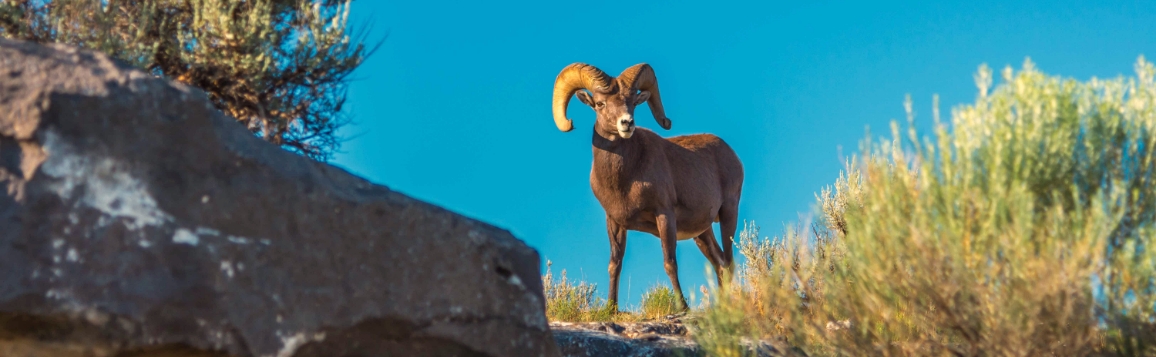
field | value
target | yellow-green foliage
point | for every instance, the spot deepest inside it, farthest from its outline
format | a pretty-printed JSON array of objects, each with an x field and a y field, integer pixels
[
  {"x": 571, "y": 301},
  {"x": 658, "y": 302},
  {"x": 277, "y": 66},
  {"x": 1023, "y": 228},
  {"x": 578, "y": 301}
]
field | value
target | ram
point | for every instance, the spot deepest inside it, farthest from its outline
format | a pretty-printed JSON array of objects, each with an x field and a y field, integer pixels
[{"x": 674, "y": 188}]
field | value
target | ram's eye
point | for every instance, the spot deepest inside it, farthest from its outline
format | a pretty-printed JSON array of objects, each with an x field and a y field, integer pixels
[{"x": 599, "y": 105}]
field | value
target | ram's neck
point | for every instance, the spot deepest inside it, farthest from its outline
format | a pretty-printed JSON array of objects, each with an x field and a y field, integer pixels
[{"x": 617, "y": 160}]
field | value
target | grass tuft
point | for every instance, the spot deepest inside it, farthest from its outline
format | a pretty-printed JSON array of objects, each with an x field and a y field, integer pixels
[
  {"x": 571, "y": 301},
  {"x": 658, "y": 302},
  {"x": 576, "y": 301}
]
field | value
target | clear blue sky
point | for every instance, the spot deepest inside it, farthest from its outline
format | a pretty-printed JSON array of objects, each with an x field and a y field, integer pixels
[{"x": 454, "y": 109}]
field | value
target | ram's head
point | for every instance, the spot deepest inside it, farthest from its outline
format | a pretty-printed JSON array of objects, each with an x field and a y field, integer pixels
[{"x": 613, "y": 99}]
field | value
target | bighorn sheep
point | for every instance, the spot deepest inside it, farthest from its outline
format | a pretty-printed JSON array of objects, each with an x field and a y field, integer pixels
[{"x": 672, "y": 188}]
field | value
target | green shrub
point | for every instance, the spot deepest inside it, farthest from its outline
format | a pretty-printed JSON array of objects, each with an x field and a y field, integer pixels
[
  {"x": 1025, "y": 228},
  {"x": 279, "y": 67}
]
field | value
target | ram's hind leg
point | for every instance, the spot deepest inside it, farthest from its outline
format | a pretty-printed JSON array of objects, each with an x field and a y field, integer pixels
[
  {"x": 668, "y": 234},
  {"x": 728, "y": 216},
  {"x": 710, "y": 249}
]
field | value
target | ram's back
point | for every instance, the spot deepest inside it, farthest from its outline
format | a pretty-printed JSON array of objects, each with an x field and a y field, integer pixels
[
  {"x": 704, "y": 150},
  {"x": 706, "y": 171}
]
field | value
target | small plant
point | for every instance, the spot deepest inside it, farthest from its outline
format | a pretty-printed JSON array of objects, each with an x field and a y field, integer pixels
[
  {"x": 578, "y": 301},
  {"x": 658, "y": 302},
  {"x": 570, "y": 301}
]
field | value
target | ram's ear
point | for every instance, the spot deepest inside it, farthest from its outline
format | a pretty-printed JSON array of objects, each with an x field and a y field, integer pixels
[
  {"x": 641, "y": 97},
  {"x": 585, "y": 97}
]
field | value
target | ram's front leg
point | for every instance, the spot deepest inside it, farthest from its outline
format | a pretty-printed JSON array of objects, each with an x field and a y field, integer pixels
[
  {"x": 617, "y": 235},
  {"x": 668, "y": 233}
]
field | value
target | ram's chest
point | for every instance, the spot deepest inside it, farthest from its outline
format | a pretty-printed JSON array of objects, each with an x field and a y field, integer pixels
[{"x": 625, "y": 203}]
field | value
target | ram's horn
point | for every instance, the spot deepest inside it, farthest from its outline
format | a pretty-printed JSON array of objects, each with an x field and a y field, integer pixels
[
  {"x": 641, "y": 77},
  {"x": 575, "y": 77}
]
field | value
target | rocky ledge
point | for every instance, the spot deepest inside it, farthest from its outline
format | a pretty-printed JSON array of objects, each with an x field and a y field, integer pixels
[{"x": 666, "y": 337}]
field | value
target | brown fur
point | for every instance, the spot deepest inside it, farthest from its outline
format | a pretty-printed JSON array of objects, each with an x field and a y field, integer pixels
[{"x": 663, "y": 186}]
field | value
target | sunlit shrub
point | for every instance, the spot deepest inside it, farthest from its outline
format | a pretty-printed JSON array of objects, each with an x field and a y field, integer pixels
[{"x": 1022, "y": 228}]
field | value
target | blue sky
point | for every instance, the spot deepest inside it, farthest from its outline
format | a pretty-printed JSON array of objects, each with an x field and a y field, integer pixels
[{"x": 454, "y": 109}]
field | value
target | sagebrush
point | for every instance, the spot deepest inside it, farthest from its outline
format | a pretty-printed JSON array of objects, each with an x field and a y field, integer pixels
[
  {"x": 280, "y": 67},
  {"x": 1024, "y": 227}
]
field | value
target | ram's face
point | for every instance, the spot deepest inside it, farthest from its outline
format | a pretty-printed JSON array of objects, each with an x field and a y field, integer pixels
[{"x": 614, "y": 111}]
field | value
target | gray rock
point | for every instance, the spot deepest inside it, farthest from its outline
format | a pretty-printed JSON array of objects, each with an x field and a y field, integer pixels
[
  {"x": 665, "y": 337},
  {"x": 628, "y": 339},
  {"x": 137, "y": 220}
]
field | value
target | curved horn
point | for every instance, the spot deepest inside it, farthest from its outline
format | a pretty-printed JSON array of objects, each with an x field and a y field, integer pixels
[
  {"x": 574, "y": 77},
  {"x": 641, "y": 77}
]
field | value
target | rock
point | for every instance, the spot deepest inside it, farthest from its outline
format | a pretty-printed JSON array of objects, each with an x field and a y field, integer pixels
[
  {"x": 140, "y": 221},
  {"x": 626, "y": 339},
  {"x": 666, "y": 337}
]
